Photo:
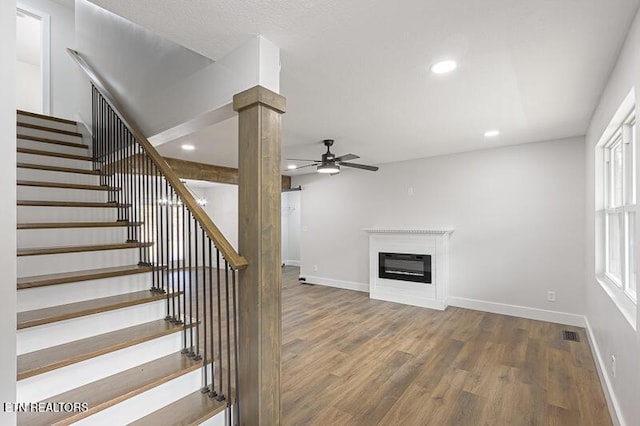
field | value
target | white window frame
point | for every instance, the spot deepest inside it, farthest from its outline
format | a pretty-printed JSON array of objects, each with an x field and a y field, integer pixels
[{"x": 625, "y": 209}]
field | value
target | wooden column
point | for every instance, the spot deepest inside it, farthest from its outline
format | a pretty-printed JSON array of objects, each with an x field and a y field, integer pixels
[{"x": 259, "y": 286}]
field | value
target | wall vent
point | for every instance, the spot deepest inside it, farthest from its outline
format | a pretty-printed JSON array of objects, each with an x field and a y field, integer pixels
[{"x": 571, "y": 335}]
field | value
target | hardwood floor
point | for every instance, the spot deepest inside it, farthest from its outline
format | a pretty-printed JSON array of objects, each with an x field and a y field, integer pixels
[{"x": 349, "y": 360}]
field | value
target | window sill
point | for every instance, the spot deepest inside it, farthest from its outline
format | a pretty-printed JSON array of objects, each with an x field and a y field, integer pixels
[{"x": 624, "y": 304}]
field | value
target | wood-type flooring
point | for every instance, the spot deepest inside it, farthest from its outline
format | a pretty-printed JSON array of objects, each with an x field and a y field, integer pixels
[{"x": 349, "y": 360}]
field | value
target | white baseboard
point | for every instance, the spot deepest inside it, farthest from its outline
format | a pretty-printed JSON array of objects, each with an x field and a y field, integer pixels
[
  {"x": 346, "y": 285},
  {"x": 518, "y": 311},
  {"x": 291, "y": 262},
  {"x": 607, "y": 389}
]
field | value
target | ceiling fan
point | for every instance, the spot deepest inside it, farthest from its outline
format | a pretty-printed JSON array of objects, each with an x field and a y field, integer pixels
[{"x": 330, "y": 164}]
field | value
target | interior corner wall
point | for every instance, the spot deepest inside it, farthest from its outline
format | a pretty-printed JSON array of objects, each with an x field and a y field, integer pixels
[
  {"x": 8, "y": 213},
  {"x": 29, "y": 94},
  {"x": 518, "y": 214},
  {"x": 63, "y": 71},
  {"x": 611, "y": 333}
]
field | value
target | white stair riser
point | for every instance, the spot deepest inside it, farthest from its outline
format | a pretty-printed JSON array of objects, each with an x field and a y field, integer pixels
[
  {"x": 47, "y": 134},
  {"x": 62, "y": 177},
  {"x": 47, "y": 123},
  {"x": 219, "y": 419},
  {"x": 56, "y": 333},
  {"x": 51, "y": 383},
  {"x": 60, "y": 194},
  {"x": 59, "y": 294},
  {"x": 54, "y": 161},
  {"x": 32, "y": 214},
  {"x": 65, "y": 262},
  {"x": 51, "y": 147},
  {"x": 71, "y": 236},
  {"x": 147, "y": 402}
]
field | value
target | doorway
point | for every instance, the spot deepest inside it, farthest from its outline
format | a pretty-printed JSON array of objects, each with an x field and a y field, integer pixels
[{"x": 32, "y": 60}]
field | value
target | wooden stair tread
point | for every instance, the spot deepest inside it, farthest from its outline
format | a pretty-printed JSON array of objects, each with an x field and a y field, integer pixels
[
  {"x": 191, "y": 410},
  {"x": 52, "y": 314},
  {"x": 48, "y": 359},
  {"x": 21, "y": 150},
  {"x": 57, "y": 169},
  {"x": 51, "y": 141},
  {"x": 46, "y": 117},
  {"x": 111, "y": 390},
  {"x": 75, "y": 249},
  {"x": 76, "y": 276},
  {"x": 65, "y": 185},
  {"x": 53, "y": 225},
  {"x": 75, "y": 204},
  {"x": 48, "y": 129}
]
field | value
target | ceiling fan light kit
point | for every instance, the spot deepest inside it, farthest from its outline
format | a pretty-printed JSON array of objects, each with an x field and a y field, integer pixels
[
  {"x": 328, "y": 168},
  {"x": 330, "y": 164}
]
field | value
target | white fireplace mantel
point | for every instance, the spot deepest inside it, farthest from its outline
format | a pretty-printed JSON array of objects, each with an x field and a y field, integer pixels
[
  {"x": 408, "y": 231},
  {"x": 433, "y": 242}
]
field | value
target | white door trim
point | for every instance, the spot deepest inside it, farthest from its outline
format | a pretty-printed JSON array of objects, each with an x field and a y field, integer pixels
[{"x": 45, "y": 59}]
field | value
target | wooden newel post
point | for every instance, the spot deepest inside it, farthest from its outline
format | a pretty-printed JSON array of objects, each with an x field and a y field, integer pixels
[{"x": 259, "y": 291}]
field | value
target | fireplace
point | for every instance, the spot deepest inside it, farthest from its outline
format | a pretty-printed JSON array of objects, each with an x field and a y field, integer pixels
[
  {"x": 409, "y": 266},
  {"x": 405, "y": 267}
]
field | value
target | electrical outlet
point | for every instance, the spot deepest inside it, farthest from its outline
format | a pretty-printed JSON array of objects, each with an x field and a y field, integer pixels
[
  {"x": 410, "y": 191},
  {"x": 315, "y": 268},
  {"x": 551, "y": 296},
  {"x": 614, "y": 370}
]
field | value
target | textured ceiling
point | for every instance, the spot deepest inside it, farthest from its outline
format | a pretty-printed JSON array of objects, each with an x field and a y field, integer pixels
[{"x": 356, "y": 70}]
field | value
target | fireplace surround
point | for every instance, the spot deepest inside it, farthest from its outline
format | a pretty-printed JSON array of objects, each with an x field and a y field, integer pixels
[{"x": 409, "y": 266}]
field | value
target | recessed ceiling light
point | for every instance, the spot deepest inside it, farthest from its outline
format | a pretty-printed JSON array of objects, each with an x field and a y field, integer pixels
[
  {"x": 292, "y": 167},
  {"x": 443, "y": 67},
  {"x": 491, "y": 133},
  {"x": 188, "y": 147}
]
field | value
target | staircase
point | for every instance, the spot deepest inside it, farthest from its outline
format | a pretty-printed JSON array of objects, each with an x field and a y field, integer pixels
[{"x": 95, "y": 334}]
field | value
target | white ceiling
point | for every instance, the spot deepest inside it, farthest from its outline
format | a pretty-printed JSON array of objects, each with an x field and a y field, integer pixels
[
  {"x": 356, "y": 70},
  {"x": 28, "y": 38}
]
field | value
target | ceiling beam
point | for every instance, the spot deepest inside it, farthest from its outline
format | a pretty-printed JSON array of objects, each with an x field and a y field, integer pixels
[
  {"x": 191, "y": 170},
  {"x": 211, "y": 173}
]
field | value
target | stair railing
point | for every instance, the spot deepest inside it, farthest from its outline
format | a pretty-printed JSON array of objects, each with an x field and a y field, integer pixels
[{"x": 192, "y": 262}]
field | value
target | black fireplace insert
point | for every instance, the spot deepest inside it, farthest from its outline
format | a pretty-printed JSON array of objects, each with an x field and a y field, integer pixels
[{"x": 405, "y": 267}]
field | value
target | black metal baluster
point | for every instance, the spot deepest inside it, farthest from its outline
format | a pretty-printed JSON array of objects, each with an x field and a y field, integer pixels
[
  {"x": 196, "y": 349},
  {"x": 179, "y": 254},
  {"x": 220, "y": 396},
  {"x": 235, "y": 344},
  {"x": 190, "y": 274},
  {"x": 205, "y": 319},
  {"x": 213, "y": 392},
  {"x": 167, "y": 240},
  {"x": 228, "y": 312}
]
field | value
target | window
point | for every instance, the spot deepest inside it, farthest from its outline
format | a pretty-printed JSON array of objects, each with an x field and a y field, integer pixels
[{"x": 619, "y": 206}]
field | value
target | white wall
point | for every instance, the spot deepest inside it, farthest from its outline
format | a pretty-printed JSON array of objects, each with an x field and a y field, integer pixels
[
  {"x": 167, "y": 89},
  {"x": 611, "y": 332},
  {"x": 8, "y": 213},
  {"x": 63, "y": 71},
  {"x": 28, "y": 87},
  {"x": 290, "y": 208},
  {"x": 222, "y": 208},
  {"x": 518, "y": 214}
]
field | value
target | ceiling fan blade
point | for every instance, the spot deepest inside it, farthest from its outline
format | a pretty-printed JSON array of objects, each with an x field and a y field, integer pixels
[
  {"x": 360, "y": 166},
  {"x": 346, "y": 157},
  {"x": 302, "y": 167},
  {"x": 300, "y": 159}
]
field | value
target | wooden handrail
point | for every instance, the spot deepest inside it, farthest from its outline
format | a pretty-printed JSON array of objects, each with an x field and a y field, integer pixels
[{"x": 235, "y": 260}]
